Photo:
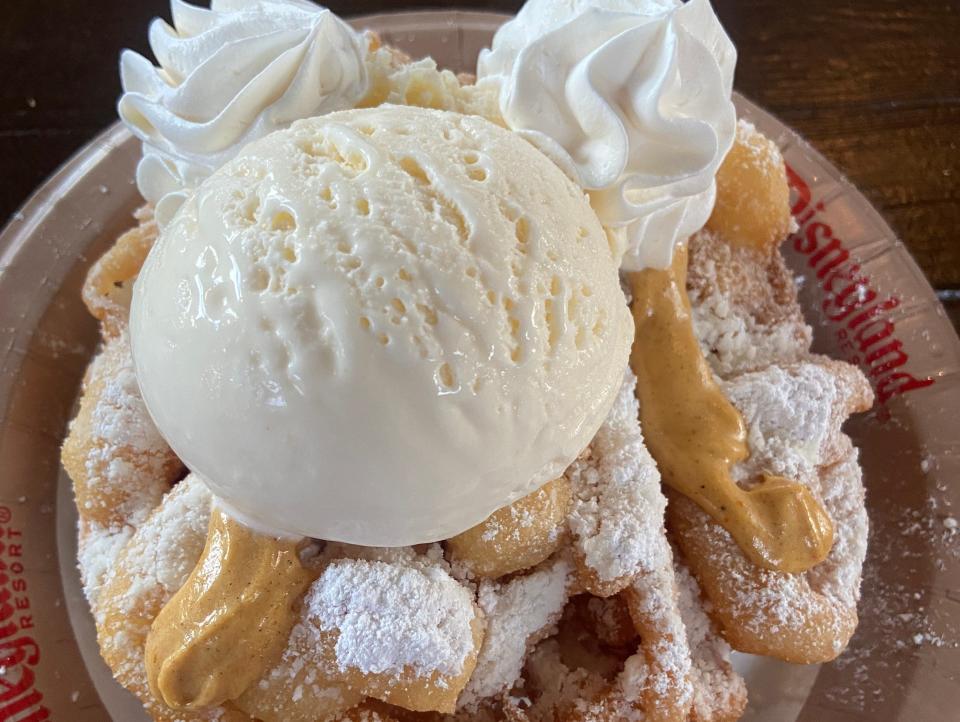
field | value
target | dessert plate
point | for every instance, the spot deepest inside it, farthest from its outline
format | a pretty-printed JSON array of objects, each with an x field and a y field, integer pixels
[{"x": 864, "y": 295}]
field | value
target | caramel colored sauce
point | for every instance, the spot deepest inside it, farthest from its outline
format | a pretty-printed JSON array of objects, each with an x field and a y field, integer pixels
[
  {"x": 696, "y": 435},
  {"x": 229, "y": 621}
]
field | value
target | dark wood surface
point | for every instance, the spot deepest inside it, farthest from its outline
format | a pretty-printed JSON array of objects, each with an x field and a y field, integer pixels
[{"x": 873, "y": 84}]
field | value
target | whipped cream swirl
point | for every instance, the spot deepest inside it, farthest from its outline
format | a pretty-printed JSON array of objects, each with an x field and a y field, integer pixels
[
  {"x": 633, "y": 99},
  {"x": 227, "y": 76}
]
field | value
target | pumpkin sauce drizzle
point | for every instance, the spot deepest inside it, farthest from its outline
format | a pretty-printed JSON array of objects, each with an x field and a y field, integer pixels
[
  {"x": 231, "y": 619},
  {"x": 696, "y": 435}
]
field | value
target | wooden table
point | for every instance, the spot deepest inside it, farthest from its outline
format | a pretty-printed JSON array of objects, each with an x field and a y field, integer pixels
[{"x": 873, "y": 84}]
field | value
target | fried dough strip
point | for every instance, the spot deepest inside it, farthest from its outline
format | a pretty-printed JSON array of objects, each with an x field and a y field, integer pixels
[
  {"x": 119, "y": 463},
  {"x": 794, "y": 415},
  {"x": 109, "y": 284}
]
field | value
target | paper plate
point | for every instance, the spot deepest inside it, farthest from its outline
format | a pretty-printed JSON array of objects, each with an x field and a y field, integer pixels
[{"x": 864, "y": 295}]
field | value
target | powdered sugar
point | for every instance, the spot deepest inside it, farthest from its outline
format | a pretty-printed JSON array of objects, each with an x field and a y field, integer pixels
[
  {"x": 716, "y": 686},
  {"x": 787, "y": 414},
  {"x": 122, "y": 416},
  {"x": 519, "y": 613},
  {"x": 617, "y": 512},
  {"x": 127, "y": 461},
  {"x": 655, "y": 608},
  {"x": 764, "y": 151},
  {"x": 520, "y": 518},
  {"x": 166, "y": 547},
  {"x": 120, "y": 464},
  {"x": 734, "y": 342},
  {"x": 98, "y": 550},
  {"x": 793, "y": 416},
  {"x": 301, "y": 687},
  {"x": 838, "y": 577},
  {"x": 744, "y": 307},
  {"x": 390, "y": 617}
]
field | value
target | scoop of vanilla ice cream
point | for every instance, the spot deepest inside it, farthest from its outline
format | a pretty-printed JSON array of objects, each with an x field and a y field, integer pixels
[{"x": 379, "y": 326}]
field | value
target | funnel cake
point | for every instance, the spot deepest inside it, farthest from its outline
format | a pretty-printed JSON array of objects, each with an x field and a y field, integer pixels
[{"x": 592, "y": 598}]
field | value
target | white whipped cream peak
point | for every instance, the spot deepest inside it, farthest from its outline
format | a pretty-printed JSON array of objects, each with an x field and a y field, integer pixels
[
  {"x": 630, "y": 97},
  {"x": 227, "y": 76}
]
